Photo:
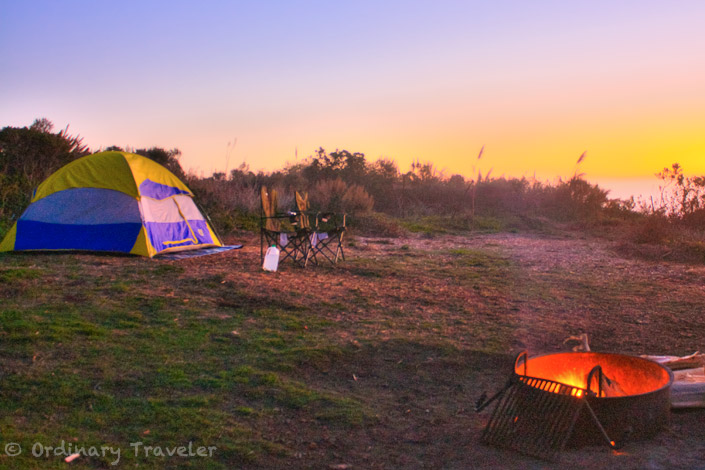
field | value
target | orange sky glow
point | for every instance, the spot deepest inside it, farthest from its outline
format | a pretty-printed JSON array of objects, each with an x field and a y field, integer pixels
[{"x": 536, "y": 83}]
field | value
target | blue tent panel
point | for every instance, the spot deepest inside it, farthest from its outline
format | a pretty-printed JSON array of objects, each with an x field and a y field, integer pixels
[
  {"x": 85, "y": 206},
  {"x": 33, "y": 235},
  {"x": 159, "y": 191}
]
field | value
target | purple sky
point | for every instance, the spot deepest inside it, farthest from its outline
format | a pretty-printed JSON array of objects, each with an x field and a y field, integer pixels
[{"x": 537, "y": 83}]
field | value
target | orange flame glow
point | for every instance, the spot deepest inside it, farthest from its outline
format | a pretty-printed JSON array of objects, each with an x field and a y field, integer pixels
[{"x": 573, "y": 379}]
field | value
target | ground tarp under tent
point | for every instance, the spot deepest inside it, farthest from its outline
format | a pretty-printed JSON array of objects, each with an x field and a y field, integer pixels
[{"x": 112, "y": 202}]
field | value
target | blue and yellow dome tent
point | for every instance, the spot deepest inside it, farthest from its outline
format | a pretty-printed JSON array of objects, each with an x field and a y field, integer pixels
[{"x": 114, "y": 202}]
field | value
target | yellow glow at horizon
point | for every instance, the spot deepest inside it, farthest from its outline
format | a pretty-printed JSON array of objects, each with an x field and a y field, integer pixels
[
  {"x": 523, "y": 135},
  {"x": 635, "y": 151}
]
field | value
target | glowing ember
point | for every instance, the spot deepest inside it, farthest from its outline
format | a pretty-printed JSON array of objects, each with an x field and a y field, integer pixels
[
  {"x": 573, "y": 379},
  {"x": 620, "y": 376}
]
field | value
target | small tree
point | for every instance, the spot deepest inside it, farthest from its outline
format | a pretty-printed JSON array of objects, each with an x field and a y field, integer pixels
[
  {"x": 167, "y": 158},
  {"x": 349, "y": 166},
  {"x": 28, "y": 155},
  {"x": 681, "y": 195}
]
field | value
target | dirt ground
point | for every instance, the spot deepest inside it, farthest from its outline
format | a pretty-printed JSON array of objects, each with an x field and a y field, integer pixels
[
  {"x": 424, "y": 393},
  {"x": 415, "y": 329}
]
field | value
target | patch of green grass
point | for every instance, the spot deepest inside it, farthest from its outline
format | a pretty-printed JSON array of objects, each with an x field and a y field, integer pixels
[
  {"x": 125, "y": 361},
  {"x": 120, "y": 287},
  {"x": 488, "y": 224},
  {"x": 212, "y": 282},
  {"x": 245, "y": 410},
  {"x": 19, "y": 274},
  {"x": 435, "y": 224},
  {"x": 170, "y": 394},
  {"x": 168, "y": 270},
  {"x": 467, "y": 257}
]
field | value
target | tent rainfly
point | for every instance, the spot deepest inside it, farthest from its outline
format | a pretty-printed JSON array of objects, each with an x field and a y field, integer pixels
[{"x": 114, "y": 202}]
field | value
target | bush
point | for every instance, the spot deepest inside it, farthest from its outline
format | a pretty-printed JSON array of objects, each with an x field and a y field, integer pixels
[
  {"x": 356, "y": 200},
  {"x": 653, "y": 229},
  {"x": 336, "y": 196},
  {"x": 327, "y": 195},
  {"x": 27, "y": 157},
  {"x": 695, "y": 219},
  {"x": 573, "y": 200},
  {"x": 681, "y": 195},
  {"x": 231, "y": 205}
]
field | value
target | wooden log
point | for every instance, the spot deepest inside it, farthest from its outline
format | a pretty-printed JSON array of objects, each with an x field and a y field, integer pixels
[
  {"x": 611, "y": 388},
  {"x": 582, "y": 340},
  {"x": 679, "y": 362}
]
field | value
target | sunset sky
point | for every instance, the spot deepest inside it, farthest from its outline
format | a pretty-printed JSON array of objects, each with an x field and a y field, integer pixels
[{"x": 536, "y": 82}]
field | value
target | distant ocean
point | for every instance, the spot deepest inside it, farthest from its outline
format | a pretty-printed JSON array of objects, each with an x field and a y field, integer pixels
[{"x": 624, "y": 188}]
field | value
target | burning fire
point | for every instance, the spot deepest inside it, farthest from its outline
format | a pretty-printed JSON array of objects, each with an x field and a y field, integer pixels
[
  {"x": 619, "y": 375},
  {"x": 572, "y": 378}
]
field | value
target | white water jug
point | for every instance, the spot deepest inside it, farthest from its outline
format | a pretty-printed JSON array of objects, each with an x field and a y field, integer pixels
[{"x": 271, "y": 259}]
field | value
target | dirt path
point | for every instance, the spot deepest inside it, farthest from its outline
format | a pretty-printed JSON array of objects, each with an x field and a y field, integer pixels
[
  {"x": 623, "y": 304},
  {"x": 542, "y": 254}
]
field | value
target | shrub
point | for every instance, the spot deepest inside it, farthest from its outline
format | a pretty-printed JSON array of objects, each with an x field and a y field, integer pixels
[
  {"x": 653, "y": 229},
  {"x": 356, "y": 200},
  {"x": 231, "y": 205},
  {"x": 681, "y": 195},
  {"x": 327, "y": 195},
  {"x": 575, "y": 199},
  {"x": 336, "y": 196},
  {"x": 695, "y": 219},
  {"x": 27, "y": 157}
]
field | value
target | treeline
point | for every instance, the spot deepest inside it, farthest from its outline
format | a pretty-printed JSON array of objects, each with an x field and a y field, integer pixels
[
  {"x": 372, "y": 192},
  {"x": 345, "y": 181}
]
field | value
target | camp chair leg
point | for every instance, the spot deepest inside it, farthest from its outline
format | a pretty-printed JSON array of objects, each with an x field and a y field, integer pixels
[
  {"x": 261, "y": 247},
  {"x": 330, "y": 247},
  {"x": 340, "y": 248},
  {"x": 309, "y": 251}
]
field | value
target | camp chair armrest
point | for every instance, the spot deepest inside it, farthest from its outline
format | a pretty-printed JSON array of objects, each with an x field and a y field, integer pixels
[{"x": 334, "y": 220}]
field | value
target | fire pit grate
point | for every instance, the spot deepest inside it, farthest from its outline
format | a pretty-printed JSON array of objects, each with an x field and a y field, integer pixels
[{"x": 536, "y": 416}]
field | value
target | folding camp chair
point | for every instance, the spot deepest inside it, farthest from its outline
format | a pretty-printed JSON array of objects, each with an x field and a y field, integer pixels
[
  {"x": 325, "y": 237},
  {"x": 292, "y": 243}
]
